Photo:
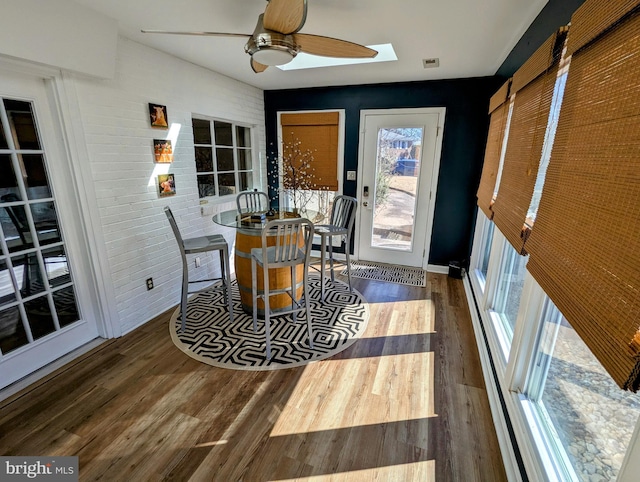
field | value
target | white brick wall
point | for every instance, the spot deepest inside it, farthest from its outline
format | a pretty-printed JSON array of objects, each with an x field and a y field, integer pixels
[{"x": 139, "y": 241}]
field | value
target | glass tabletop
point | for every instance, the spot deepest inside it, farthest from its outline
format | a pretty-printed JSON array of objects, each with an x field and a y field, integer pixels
[{"x": 257, "y": 219}]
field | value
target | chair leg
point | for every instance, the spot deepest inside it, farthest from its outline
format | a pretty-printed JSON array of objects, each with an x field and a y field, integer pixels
[
  {"x": 185, "y": 293},
  {"x": 294, "y": 294},
  {"x": 307, "y": 308},
  {"x": 226, "y": 279},
  {"x": 323, "y": 240},
  {"x": 330, "y": 239},
  {"x": 346, "y": 252},
  {"x": 254, "y": 293},
  {"x": 267, "y": 311}
]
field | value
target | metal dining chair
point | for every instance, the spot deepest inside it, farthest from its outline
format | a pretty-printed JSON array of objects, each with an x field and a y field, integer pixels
[
  {"x": 290, "y": 246},
  {"x": 343, "y": 214},
  {"x": 201, "y": 244},
  {"x": 252, "y": 201}
]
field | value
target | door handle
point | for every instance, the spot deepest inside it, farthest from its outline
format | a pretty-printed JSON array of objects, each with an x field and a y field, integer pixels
[{"x": 365, "y": 204}]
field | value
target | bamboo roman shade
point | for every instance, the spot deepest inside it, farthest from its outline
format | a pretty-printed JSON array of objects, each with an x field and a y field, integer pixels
[
  {"x": 316, "y": 132},
  {"x": 586, "y": 239},
  {"x": 533, "y": 85},
  {"x": 499, "y": 110}
]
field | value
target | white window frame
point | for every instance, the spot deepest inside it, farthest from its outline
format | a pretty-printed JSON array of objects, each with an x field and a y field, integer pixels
[
  {"x": 482, "y": 230},
  {"x": 255, "y": 159}
]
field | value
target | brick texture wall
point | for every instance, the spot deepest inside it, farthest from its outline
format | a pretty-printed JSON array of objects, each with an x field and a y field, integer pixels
[{"x": 115, "y": 120}]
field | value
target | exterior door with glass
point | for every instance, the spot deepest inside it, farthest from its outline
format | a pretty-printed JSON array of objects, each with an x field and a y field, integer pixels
[
  {"x": 40, "y": 313},
  {"x": 399, "y": 161}
]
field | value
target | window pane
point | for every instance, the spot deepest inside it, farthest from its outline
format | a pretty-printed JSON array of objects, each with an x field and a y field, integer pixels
[
  {"x": 12, "y": 334},
  {"x": 3, "y": 138},
  {"x": 591, "y": 418},
  {"x": 46, "y": 221},
  {"x": 396, "y": 188},
  {"x": 27, "y": 270},
  {"x": 510, "y": 283},
  {"x": 244, "y": 159},
  {"x": 224, "y": 159},
  {"x": 7, "y": 291},
  {"x": 55, "y": 262},
  {"x": 227, "y": 184},
  {"x": 206, "y": 186},
  {"x": 201, "y": 131},
  {"x": 486, "y": 248},
  {"x": 16, "y": 228},
  {"x": 8, "y": 181},
  {"x": 39, "y": 316},
  {"x": 246, "y": 181},
  {"x": 66, "y": 306},
  {"x": 243, "y": 136},
  {"x": 35, "y": 181},
  {"x": 21, "y": 120},
  {"x": 224, "y": 133},
  {"x": 204, "y": 159}
]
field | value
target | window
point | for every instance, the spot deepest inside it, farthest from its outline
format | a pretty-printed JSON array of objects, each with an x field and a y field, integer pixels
[
  {"x": 486, "y": 249},
  {"x": 224, "y": 157},
  {"x": 37, "y": 296},
  {"x": 506, "y": 300},
  {"x": 583, "y": 414},
  {"x": 317, "y": 133},
  {"x": 320, "y": 134}
]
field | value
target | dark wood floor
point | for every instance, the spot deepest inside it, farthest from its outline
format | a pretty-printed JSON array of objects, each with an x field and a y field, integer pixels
[{"x": 405, "y": 403}]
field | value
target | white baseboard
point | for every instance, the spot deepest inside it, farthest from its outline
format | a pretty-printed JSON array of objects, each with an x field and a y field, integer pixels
[{"x": 436, "y": 268}]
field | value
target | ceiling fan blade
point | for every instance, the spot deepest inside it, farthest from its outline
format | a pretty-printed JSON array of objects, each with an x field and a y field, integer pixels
[
  {"x": 258, "y": 67},
  {"x": 285, "y": 16},
  {"x": 332, "y": 47},
  {"x": 206, "y": 34}
]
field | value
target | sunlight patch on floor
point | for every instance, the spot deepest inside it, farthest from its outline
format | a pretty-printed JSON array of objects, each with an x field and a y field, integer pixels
[{"x": 339, "y": 394}]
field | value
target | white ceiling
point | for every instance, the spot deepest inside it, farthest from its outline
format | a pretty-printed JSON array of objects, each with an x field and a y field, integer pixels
[{"x": 470, "y": 37}]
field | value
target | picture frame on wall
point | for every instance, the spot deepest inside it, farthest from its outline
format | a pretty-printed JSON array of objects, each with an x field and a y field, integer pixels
[
  {"x": 158, "y": 116},
  {"x": 166, "y": 185},
  {"x": 162, "y": 151}
]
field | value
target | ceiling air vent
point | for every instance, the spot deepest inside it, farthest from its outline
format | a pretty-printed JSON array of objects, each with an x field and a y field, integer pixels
[{"x": 429, "y": 63}]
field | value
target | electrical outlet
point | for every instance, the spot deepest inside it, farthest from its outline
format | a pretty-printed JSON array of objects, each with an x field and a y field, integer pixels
[
  {"x": 197, "y": 262},
  {"x": 149, "y": 284},
  {"x": 351, "y": 175}
]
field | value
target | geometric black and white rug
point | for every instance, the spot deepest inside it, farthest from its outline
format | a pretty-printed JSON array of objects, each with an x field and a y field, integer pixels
[
  {"x": 390, "y": 273},
  {"x": 211, "y": 338}
]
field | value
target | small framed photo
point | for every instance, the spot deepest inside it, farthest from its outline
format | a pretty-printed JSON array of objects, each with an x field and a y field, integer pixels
[
  {"x": 162, "y": 150},
  {"x": 158, "y": 116},
  {"x": 166, "y": 185}
]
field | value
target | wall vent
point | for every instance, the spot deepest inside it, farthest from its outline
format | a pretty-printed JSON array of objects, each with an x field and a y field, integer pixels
[{"x": 430, "y": 63}]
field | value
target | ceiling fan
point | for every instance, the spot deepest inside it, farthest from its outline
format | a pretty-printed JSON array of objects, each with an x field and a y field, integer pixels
[{"x": 276, "y": 41}]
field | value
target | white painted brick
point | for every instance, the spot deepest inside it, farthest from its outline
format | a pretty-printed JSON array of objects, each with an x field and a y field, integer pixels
[{"x": 139, "y": 241}]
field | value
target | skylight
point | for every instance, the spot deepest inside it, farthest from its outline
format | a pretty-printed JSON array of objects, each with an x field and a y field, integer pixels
[{"x": 307, "y": 61}]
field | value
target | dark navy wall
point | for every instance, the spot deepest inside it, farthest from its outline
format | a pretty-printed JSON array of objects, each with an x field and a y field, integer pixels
[
  {"x": 465, "y": 129},
  {"x": 554, "y": 15}
]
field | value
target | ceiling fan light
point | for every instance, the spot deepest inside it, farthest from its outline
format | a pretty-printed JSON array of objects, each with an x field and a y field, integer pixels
[{"x": 273, "y": 56}]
